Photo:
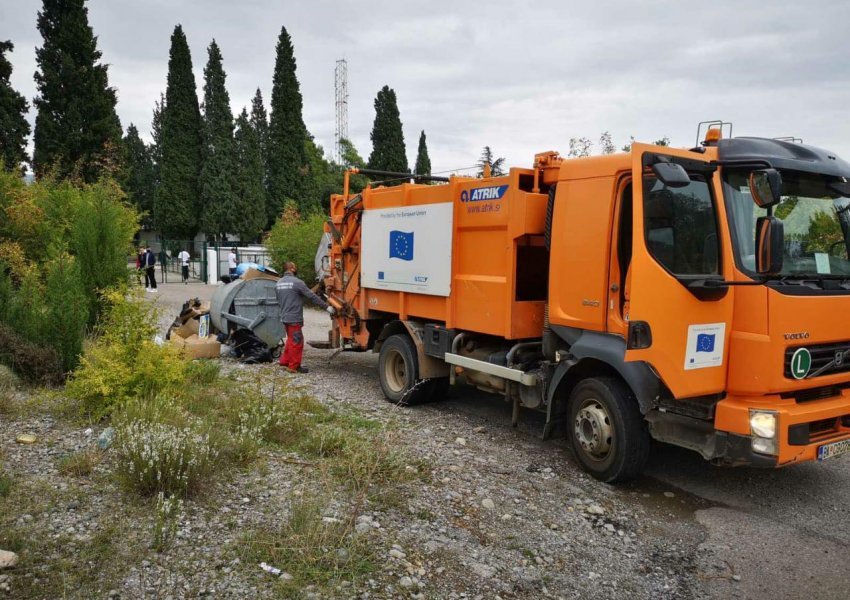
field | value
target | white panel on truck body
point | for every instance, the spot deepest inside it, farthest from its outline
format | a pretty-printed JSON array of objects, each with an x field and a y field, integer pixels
[{"x": 408, "y": 248}]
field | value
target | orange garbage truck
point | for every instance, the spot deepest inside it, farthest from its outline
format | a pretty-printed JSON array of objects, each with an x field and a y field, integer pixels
[{"x": 696, "y": 297}]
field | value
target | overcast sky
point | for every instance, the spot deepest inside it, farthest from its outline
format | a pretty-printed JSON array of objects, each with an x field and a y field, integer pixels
[{"x": 520, "y": 77}]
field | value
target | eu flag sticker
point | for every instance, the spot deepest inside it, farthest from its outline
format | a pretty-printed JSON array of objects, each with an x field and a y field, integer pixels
[
  {"x": 704, "y": 346},
  {"x": 705, "y": 342},
  {"x": 401, "y": 245}
]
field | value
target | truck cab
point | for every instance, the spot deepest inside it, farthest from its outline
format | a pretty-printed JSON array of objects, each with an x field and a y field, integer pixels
[{"x": 691, "y": 296}]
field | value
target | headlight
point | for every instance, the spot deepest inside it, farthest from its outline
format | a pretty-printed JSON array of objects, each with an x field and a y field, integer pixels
[
  {"x": 764, "y": 446},
  {"x": 763, "y": 424}
]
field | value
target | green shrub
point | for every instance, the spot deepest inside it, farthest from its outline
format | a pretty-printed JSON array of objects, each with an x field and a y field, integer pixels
[
  {"x": 296, "y": 239},
  {"x": 123, "y": 362}
]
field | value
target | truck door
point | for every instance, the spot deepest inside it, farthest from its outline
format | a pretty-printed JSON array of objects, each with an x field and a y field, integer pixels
[{"x": 677, "y": 323}]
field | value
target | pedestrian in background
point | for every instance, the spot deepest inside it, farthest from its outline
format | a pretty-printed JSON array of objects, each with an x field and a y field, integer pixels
[
  {"x": 184, "y": 257},
  {"x": 291, "y": 292},
  {"x": 231, "y": 263},
  {"x": 140, "y": 266},
  {"x": 150, "y": 269}
]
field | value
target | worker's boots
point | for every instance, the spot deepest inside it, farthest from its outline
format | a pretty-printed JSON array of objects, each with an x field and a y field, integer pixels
[{"x": 298, "y": 370}]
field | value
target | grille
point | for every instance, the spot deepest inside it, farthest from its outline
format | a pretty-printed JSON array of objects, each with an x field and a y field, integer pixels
[{"x": 822, "y": 355}]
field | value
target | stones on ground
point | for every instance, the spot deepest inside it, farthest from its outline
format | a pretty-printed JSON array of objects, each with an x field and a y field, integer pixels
[
  {"x": 669, "y": 495},
  {"x": 482, "y": 570},
  {"x": 397, "y": 553},
  {"x": 8, "y": 560},
  {"x": 736, "y": 578},
  {"x": 594, "y": 509},
  {"x": 460, "y": 441},
  {"x": 479, "y": 430},
  {"x": 488, "y": 504},
  {"x": 286, "y": 576},
  {"x": 406, "y": 582},
  {"x": 25, "y": 438}
]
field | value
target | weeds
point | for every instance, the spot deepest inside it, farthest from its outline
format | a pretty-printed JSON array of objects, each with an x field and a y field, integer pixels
[
  {"x": 166, "y": 521},
  {"x": 80, "y": 464},
  {"x": 159, "y": 457},
  {"x": 5, "y": 484},
  {"x": 311, "y": 547}
]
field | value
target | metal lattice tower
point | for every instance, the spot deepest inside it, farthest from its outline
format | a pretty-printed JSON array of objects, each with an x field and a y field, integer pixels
[{"x": 341, "y": 88}]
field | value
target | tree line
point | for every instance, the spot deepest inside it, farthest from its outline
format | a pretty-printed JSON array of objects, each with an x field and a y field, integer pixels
[{"x": 205, "y": 170}]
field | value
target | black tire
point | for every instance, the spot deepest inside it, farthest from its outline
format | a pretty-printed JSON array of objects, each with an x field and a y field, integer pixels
[
  {"x": 398, "y": 370},
  {"x": 606, "y": 429}
]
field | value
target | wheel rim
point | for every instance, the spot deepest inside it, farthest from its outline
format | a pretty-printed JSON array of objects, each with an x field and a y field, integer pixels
[
  {"x": 395, "y": 372},
  {"x": 593, "y": 429}
]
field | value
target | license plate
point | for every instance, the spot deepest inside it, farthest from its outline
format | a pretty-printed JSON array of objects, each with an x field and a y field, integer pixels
[{"x": 834, "y": 449}]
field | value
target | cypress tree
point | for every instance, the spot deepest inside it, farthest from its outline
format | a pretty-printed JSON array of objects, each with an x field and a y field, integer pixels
[
  {"x": 423, "y": 162},
  {"x": 388, "y": 152},
  {"x": 218, "y": 172},
  {"x": 77, "y": 130},
  {"x": 14, "y": 127},
  {"x": 287, "y": 134},
  {"x": 156, "y": 134},
  {"x": 139, "y": 178},
  {"x": 177, "y": 201},
  {"x": 260, "y": 123},
  {"x": 250, "y": 193}
]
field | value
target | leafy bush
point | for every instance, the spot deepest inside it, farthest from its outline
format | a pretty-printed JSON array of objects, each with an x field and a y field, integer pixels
[
  {"x": 123, "y": 362},
  {"x": 61, "y": 245},
  {"x": 295, "y": 239}
]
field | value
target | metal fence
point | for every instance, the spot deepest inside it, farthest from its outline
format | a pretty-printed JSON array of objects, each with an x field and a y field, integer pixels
[{"x": 207, "y": 262}]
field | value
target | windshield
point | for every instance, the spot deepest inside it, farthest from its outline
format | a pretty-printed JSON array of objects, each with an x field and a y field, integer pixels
[{"x": 815, "y": 215}]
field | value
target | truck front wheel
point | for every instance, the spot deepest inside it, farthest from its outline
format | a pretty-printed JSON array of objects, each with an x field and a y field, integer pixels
[
  {"x": 398, "y": 369},
  {"x": 607, "y": 431}
]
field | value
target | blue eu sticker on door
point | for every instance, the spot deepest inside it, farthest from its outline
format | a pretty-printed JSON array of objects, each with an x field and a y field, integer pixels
[{"x": 705, "y": 346}]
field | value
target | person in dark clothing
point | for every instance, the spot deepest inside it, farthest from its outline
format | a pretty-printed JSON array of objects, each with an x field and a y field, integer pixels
[
  {"x": 140, "y": 266},
  {"x": 291, "y": 292},
  {"x": 150, "y": 269}
]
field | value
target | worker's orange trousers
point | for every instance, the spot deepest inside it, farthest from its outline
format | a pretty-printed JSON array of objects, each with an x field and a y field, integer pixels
[{"x": 294, "y": 349}]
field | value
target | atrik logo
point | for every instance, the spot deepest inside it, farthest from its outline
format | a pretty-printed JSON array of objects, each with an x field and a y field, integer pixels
[
  {"x": 401, "y": 245},
  {"x": 705, "y": 342},
  {"x": 494, "y": 192}
]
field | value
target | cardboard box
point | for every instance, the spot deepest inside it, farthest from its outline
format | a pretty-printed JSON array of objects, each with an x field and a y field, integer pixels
[
  {"x": 186, "y": 337},
  {"x": 255, "y": 274}
]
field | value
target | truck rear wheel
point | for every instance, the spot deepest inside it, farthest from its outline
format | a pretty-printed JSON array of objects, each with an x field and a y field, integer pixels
[
  {"x": 607, "y": 431},
  {"x": 398, "y": 369}
]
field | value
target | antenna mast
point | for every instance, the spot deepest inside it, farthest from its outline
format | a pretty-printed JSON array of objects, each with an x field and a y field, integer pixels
[{"x": 341, "y": 89}]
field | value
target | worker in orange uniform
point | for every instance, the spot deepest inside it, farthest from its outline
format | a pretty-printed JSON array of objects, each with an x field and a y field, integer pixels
[{"x": 290, "y": 292}]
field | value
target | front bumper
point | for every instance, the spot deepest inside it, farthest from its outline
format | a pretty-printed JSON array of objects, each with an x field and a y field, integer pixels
[{"x": 802, "y": 427}]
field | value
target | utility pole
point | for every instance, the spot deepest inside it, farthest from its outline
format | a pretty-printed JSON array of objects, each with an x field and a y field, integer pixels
[{"x": 341, "y": 90}]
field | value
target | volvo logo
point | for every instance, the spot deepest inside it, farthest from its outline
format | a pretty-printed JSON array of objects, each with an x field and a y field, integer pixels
[{"x": 802, "y": 335}]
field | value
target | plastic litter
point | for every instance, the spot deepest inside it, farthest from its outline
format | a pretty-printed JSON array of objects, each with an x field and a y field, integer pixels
[
  {"x": 270, "y": 569},
  {"x": 104, "y": 440}
]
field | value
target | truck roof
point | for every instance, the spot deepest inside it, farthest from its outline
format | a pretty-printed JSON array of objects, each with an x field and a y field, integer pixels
[{"x": 781, "y": 154}]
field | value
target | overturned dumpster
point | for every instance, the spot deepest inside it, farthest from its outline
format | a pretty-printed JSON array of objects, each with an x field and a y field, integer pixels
[{"x": 247, "y": 313}]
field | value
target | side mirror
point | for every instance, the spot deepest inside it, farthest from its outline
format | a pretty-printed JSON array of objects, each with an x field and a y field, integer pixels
[
  {"x": 766, "y": 187},
  {"x": 770, "y": 245},
  {"x": 671, "y": 174}
]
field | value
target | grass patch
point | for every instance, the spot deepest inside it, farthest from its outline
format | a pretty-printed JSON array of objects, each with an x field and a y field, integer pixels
[
  {"x": 312, "y": 547},
  {"x": 5, "y": 485},
  {"x": 80, "y": 464}
]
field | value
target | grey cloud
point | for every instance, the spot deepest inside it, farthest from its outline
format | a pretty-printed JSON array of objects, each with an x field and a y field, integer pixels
[{"x": 522, "y": 79}]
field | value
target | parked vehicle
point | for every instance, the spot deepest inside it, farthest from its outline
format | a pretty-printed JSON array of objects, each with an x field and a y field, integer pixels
[{"x": 698, "y": 297}]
